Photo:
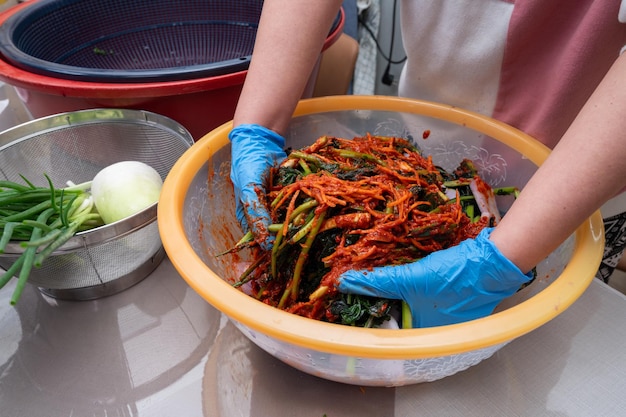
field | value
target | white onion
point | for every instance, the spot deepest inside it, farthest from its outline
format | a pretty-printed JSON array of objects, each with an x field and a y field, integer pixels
[{"x": 125, "y": 188}]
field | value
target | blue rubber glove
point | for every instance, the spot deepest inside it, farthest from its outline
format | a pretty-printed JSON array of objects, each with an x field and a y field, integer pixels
[
  {"x": 457, "y": 284},
  {"x": 254, "y": 149}
]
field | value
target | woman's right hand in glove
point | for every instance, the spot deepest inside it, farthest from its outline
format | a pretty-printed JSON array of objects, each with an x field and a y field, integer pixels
[{"x": 254, "y": 150}]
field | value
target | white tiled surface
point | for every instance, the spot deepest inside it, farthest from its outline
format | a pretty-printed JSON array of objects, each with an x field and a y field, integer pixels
[{"x": 158, "y": 349}]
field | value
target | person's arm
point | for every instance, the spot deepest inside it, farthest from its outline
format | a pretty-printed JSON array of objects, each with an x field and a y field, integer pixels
[
  {"x": 469, "y": 280},
  {"x": 585, "y": 170},
  {"x": 289, "y": 40}
]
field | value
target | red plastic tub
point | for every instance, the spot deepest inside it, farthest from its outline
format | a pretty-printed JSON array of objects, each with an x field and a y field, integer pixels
[{"x": 200, "y": 104}]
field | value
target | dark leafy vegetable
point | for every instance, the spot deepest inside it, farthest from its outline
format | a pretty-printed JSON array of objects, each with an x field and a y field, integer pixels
[{"x": 361, "y": 311}]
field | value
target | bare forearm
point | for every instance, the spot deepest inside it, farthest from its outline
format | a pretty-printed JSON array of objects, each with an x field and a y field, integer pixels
[
  {"x": 586, "y": 168},
  {"x": 290, "y": 37}
]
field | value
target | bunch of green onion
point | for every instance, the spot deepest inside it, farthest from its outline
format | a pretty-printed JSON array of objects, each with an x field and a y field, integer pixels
[{"x": 42, "y": 219}]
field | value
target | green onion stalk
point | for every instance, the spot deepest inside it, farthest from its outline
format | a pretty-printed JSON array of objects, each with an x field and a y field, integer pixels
[{"x": 42, "y": 219}]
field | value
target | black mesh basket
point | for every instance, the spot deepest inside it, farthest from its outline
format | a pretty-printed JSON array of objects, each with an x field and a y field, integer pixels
[{"x": 131, "y": 40}]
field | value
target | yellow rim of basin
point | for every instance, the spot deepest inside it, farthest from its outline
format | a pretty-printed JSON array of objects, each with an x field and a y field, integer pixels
[{"x": 375, "y": 343}]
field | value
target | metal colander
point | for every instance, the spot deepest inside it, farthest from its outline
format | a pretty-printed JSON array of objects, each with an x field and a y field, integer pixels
[{"x": 74, "y": 147}]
